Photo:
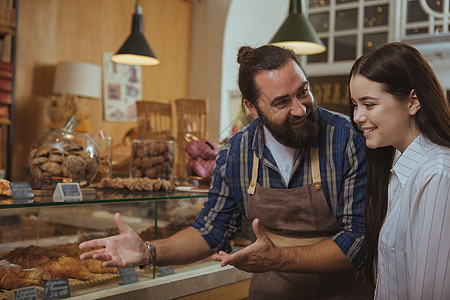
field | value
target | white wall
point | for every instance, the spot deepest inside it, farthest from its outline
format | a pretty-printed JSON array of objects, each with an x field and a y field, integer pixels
[
  {"x": 249, "y": 23},
  {"x": 220, "y": 27},
  {"x": 208, "y": 25}
]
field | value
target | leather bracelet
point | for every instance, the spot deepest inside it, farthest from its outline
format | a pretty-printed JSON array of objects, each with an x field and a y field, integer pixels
[{"x": 151, "y": 255}]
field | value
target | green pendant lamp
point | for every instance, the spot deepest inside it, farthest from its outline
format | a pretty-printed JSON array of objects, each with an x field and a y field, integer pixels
[
  {"x": 297, "y": 33},
  {"x": 136, "y": 50}
]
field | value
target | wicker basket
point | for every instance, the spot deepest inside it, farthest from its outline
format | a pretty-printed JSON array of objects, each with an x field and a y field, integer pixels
[
  {"x": 155, "y": 120},
  {"x": 191, "y": 118},
  {"x": 7, "y": 20}
]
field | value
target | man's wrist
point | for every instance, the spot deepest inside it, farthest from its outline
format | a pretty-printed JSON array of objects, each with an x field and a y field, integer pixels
[{"x": 151, "y": 255}]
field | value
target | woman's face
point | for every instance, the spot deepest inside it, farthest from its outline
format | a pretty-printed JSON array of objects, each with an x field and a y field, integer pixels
[{"x": 385, "y": 120}]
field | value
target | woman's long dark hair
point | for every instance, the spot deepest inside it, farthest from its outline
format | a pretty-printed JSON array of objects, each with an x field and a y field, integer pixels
[{"x": 399, "y": 68}]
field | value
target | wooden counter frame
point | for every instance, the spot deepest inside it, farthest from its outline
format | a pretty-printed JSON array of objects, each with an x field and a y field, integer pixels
[{"x": 174, "y": 286}]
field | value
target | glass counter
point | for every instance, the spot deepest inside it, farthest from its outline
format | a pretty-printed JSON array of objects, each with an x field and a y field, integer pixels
[
  {"x": 99, "y": 196},
  {"x": 44, "y": 226}
]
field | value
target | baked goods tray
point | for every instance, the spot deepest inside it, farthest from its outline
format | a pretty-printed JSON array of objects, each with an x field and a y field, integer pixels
[{"x": 79, "y": 287}]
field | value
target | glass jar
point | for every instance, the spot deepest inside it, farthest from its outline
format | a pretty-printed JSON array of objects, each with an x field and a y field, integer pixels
[
  {"x": 64, "y": 154},
  {"x": 152, "y": 158}
]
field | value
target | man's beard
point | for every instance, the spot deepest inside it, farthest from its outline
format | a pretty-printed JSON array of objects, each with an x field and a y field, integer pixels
[{"x": 301, "y": 137}]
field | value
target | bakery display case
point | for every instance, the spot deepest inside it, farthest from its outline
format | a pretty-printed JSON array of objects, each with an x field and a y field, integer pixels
[{"x": 40, "y": 236}]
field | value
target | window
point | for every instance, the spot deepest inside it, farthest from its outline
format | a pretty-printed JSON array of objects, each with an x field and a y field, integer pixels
[
  {"x": 427, "y": 18},
  {"x": 348, "y": 28}
]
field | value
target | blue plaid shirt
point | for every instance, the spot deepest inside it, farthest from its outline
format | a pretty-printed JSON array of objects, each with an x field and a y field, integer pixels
[{"x": 342, "y": 167}]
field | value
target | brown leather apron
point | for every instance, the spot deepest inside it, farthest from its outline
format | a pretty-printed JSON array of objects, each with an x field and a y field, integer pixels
[{"x": 295, "y": 217}]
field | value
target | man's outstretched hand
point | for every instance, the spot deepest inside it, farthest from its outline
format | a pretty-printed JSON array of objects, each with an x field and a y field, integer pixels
[
  {"x": 123, "y": 250},
  {"x": 261, "y": 256}
]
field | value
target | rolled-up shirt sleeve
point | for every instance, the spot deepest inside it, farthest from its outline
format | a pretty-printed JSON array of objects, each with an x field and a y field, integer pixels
[{"x": 220, "y": 216}]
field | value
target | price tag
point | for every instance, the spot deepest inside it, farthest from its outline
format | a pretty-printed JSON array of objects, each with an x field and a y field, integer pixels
[
  {"x": 128, "y": 275},
  {"x": 166, "y": 270},
  {"x": 67, "y": 192},
  {"x": 21, "y": 190},
  {"x": 28, "y": 293},
  {"x": 56, "y": 289},
  {"x": 23, "y": 201}
]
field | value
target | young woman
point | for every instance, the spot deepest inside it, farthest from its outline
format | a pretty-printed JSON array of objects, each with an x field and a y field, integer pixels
[{"x": 399, "y": 106}]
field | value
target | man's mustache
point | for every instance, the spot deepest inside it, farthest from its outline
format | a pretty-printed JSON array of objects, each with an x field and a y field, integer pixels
[{"x": 295, "y": 120}]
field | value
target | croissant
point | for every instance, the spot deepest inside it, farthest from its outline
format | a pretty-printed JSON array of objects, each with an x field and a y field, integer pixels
[
  {"x": 6, "y": 266},
  {"x": 95, "y": 266},
  {"x": 71, "y": 250},
  {"x": 10, "y": 281},
  {"x": 66, "y": 266},
  {"x": 31, "y": 274},
  {"x": 35, "y": 274},
  {"x": 25, "y": 277},
  {"x": 29, "y": 257},
  {"x": 10, "y": 256}
]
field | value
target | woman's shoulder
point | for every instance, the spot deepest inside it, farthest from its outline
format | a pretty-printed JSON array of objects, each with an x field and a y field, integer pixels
[{"x": 436, "y": 160}]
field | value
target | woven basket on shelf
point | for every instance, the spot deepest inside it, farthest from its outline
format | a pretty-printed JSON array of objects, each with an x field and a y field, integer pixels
[
  {"x": 155, "y": 120},
  {"x": 7, "y": 20},
  {"x": 191, "y": 117}
]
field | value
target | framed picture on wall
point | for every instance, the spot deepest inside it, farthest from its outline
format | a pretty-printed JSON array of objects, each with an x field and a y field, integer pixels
[{"x": 122, "y": 87}]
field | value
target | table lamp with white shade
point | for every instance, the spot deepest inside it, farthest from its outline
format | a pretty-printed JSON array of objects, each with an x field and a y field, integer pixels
[{"x": 74, "y": 81}]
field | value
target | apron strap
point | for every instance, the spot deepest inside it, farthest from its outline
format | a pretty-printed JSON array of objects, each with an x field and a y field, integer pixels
[
  {"x": 252, "y": 187},
  {"x": 315, "y": 169},
  {"x": 315, "y": 166}
]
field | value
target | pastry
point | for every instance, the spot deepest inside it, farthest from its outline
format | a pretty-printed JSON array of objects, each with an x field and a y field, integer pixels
[
  {"x": 4, "y": 188},
  {"x": 66, "y": 266}
]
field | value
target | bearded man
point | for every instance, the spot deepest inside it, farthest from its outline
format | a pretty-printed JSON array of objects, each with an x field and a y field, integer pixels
[{"x": 297, "y": 172}]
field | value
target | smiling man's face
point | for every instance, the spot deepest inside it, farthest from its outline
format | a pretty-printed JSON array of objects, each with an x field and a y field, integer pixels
[{"x": 286, "y": 106}]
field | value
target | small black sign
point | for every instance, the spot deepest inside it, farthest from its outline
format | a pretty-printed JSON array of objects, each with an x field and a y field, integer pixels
[
  {"x": 23, "y": 201},
  {"x": 70, "y": 190},
  {"x": 28, "y": 293},
  {"x": 21, "y": 190},
  {"x": 56, "y": 289},
  {"x": 166, "y": 270},
  {"x": 128, "y": 275},
  {"x": 67, "y": 192}
]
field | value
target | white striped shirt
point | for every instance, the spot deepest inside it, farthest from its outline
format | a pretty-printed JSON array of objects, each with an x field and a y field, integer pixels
[{"x": 414, "y": 243}]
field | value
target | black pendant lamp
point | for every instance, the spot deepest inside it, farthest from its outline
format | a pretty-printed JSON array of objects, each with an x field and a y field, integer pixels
[
  {"x": 136, "y": 50},
  {"x": 297, "y": 33}
]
